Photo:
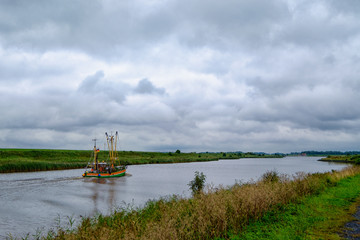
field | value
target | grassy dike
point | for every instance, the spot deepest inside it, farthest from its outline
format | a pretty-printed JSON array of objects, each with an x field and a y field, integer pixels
[
  {"x": 306, "y": 206},
  {"x": 26, "y": 160},
  {"x": 321, "y": 216},
  {"x": 355, "y": 159}
]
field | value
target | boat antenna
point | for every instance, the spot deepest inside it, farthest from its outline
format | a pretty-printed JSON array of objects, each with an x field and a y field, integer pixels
[
  {"x": 95, "y": 155},
  {"x": 116, "y": 138},
  {"x": 116, "y": 157}
]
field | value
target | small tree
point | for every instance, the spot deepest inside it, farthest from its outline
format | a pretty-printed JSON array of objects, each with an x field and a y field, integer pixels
[
  {"x": 178, "y": 151},
  {"x": 270, "y": 176},
  {"x": 197, "y": 184}
]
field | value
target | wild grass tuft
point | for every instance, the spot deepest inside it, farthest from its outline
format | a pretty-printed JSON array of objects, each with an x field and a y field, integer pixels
[{"x": 214, "y": 213}]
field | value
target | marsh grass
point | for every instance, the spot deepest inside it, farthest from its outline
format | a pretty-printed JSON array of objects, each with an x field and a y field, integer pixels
[
  {"x": 215, "y": 213},
  {"x": 319, "y": 216},
  {"x": 355, "y": 159},
  {"x": 25, "y": 160}
]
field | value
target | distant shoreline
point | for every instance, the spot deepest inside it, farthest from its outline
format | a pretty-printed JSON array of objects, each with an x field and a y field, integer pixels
[
  {"x": 31, "y": 160},
  {"x": 354, "y": 159}
]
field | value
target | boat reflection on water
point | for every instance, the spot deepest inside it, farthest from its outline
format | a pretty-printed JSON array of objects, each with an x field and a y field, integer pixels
[{"x": 104, "y": 190}]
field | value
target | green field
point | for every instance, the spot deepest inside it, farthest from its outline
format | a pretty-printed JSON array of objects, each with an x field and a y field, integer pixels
[
  {"x": 310, "y": 206},
  {"x": 24, "y": 160},
  {"x": 343, "y": 159}
]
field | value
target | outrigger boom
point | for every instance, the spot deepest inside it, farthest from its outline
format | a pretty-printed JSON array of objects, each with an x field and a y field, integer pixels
[{"x": 106, "y": 169}]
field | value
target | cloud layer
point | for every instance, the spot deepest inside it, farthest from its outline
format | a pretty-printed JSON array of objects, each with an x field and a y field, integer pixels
[{"x": 256, "y": 75}]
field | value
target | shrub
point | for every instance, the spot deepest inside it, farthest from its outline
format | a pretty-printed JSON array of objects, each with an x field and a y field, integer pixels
[
  {"x": 270, "y": 176},
  {"x": 197, "y": 184}
]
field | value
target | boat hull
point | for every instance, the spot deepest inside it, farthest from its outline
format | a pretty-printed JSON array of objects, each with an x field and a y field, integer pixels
[{"x": 119, "y": 173}]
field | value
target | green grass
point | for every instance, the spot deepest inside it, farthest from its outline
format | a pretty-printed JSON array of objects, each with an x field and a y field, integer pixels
[
  {"x": 315, "y": 217},
  {"x": 24, "y": 160},
  {"x": 343, "y": 159},
  {"x": 312, "y": 206}
]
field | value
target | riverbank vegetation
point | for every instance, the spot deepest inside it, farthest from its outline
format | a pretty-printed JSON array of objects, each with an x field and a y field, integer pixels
[
  {"x": 318, "y": 216},
  {"x": 25, "y": 160},
  {"x": 323, "y": 153},
  {"x": 303, "y": 206},
  {"x": 355, "y": 159}
]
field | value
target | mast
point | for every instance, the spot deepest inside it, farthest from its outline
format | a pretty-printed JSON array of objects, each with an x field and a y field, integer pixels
[
  {"x": 112, "y": 142},
  {"x": 116, "y": 153},
  {"x": 108, "y": 143},
  {"x": 95, "y": 155}
]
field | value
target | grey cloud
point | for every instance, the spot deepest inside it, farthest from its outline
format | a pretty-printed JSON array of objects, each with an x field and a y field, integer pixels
[
  {"x": 146, "y": 87},
  {"x": 235, "y": 75},
  {"x": 309, "y": 110},
  {"x": 52, "y": 25},
  {"x": 346, "y": 7},
  {"x": 15, "y": 67},
  {"x": 116, "y": 29},
  {"x": 95, "y": 85},
  {"x": 97, "y": 29},
  {"x": 90, "y": 83},
  {"x": 100, "y": 28},
  {"x": 311, "y": 32},
  {"x": 238, "y": 22}
]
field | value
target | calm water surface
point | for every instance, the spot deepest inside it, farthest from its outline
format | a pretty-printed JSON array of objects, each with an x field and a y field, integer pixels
[{"x": 39, "y": 200}]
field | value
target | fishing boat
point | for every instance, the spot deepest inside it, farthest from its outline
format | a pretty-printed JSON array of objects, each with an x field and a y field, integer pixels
[{"x": 110, "y": 168}]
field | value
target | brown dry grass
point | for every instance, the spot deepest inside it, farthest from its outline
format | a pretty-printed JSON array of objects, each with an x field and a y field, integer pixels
[{"x": 213, "y": 213}]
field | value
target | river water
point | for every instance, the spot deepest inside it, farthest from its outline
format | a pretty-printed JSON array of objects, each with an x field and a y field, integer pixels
[{"x": 39, "y": 201}]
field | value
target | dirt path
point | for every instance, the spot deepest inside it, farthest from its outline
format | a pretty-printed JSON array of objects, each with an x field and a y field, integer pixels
[{"x": 353, "y": 228}]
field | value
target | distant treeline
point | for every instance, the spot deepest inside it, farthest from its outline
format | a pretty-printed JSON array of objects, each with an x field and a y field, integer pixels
[
  {"x": 26, "y": 160},
  {"x": 325, "y": 153},
  {"x": 303, "y": 153}
]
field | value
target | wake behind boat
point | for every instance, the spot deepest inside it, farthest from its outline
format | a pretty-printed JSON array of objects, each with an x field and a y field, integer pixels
[{"x": 110, "y": 168}]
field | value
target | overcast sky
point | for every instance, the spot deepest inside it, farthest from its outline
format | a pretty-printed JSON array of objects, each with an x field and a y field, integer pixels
[{"x": 205, "y": 75}]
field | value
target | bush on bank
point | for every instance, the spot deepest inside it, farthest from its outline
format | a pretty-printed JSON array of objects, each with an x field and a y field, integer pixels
[{"x": 217, "y": 212}]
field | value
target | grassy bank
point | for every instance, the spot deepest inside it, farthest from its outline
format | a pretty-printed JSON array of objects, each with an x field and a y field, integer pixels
[
  {"x": 24, "y": 160},
  {"x": 244, "y": 211},
  {"x": 342, "y": 159},
  {"x": 322, "y": 216}
]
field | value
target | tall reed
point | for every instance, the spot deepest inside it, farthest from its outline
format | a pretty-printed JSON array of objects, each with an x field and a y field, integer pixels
[{"x": 213, "y": 213}]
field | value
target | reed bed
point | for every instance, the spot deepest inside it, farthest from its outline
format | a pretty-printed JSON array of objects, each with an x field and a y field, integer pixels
[
  {"x": 30, "y": 166},
  {"x": 355, "y": 159},
  {"x": 25, "y": 160},
  {"x": 217, "y": 212}
]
